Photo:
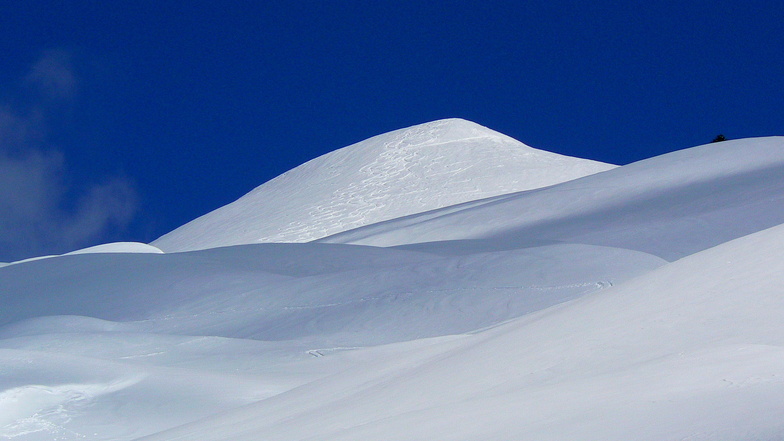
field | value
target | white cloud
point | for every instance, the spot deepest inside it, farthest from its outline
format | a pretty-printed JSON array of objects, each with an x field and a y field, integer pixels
[
  {"x": 38, "y": 212},
  {"x": 53, "y": 75}
]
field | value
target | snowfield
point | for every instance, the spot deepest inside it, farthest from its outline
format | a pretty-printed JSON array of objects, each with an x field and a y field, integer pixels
[
  {"x": 671, "y": 206},
  {"x": 399, "y": 173},
  {"x": 692, "y": 350},
  {"x": 442, "y": 282}
]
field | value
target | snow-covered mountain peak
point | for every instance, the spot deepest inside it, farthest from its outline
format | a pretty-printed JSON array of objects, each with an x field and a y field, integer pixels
[
  {"x": 641, "y": 303},
  {"x": 403, "y": 172},
  {"x": 671, "y": 206},
  {"x": 444, "y": 131}
]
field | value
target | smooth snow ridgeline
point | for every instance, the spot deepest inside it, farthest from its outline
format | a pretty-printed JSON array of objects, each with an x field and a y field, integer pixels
[
  {"x": 641, "y": 303},
  {"x": 403, "y": 172},
  {"x": 671, "y": 206}
]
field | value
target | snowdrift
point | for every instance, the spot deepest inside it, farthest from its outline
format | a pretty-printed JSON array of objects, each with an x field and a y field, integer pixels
[
  {"x": 692, "y": 350},
  {"x": 643, "y": 302}
]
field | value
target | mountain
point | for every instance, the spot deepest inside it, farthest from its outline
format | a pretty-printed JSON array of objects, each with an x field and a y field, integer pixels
[
  {"x": 690, "y": 350},
  {"x": 670, "y": 206},
  {"x": 642, "y": 302},
  {"x": 407, "y": 171}
]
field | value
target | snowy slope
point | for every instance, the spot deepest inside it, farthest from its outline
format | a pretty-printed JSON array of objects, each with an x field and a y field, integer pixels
[
  {"x": 331, "y": 294},
  {"x": 671, "y": 206},
  {"x": 693, "y": 350},
  {"x": 547, "y": 314},
  {"x": 119, "y": 247},
  {"x": 114, "y": 247},
  {"x": 202, "y": 332},
  {"x": 403, "y": 172}
]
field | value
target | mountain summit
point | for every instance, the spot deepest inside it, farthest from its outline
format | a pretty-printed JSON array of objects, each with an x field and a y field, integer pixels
[
  {"x": 396, "y": 174},
  {"x": 640, "y": 303}
]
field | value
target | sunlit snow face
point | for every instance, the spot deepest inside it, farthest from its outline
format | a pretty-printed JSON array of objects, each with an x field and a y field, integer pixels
[
  {"x": 389, "y": 176},
  {"x": 538, "y": 314}
]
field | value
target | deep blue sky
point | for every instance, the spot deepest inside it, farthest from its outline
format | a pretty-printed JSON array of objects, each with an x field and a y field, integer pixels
[{"x": 134, "y": 117}]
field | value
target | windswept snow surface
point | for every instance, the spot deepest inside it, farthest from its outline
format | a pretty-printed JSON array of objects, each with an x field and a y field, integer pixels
[
  {"x": 403, "y": 172},
  {"x": 119, "y": 247},
  {"x": 322, "y": 293},
  {"x": 641, "y": 303},
  {"x": 171, "y": 338},
  {"x": 114, "y": 247},
  {"x": 692, "y": 350},
  {"x": 670, "y": 206}
]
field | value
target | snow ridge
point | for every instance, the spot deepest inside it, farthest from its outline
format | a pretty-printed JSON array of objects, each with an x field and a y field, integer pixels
[
  {"x": 642, "y": 303},
  {"x": 400, "y": 173},
  {"x": 672, "y": 205}
]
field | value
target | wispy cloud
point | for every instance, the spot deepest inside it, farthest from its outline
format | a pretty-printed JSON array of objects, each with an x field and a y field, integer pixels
[
  {"x": 53, "y": 75},
  {"x": 39, "y": 214}
]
